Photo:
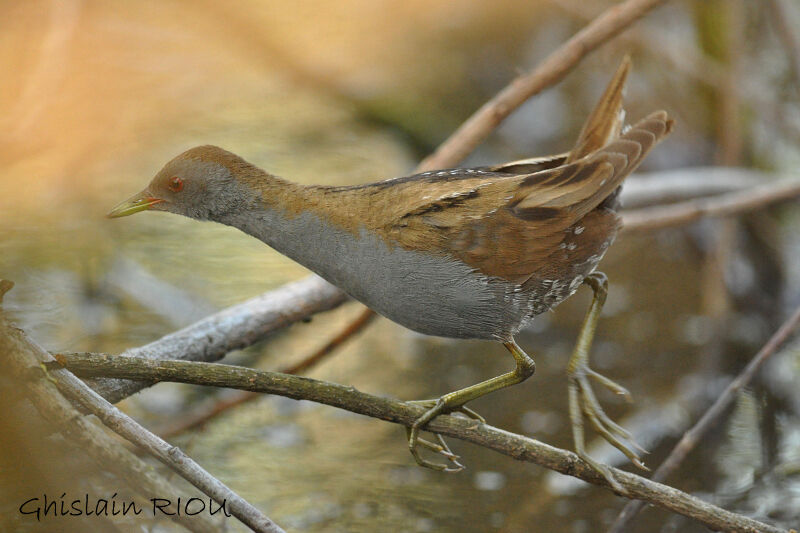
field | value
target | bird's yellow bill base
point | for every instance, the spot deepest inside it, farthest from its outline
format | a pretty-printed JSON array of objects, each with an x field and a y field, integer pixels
[{"x": 134, "y": 204}]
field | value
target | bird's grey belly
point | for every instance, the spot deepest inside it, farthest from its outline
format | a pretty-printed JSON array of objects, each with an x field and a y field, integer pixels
[
  {"x": 429, "y": 294},
  {"x": 426, "y": 293},
  {"x": 433, "y": 295}
]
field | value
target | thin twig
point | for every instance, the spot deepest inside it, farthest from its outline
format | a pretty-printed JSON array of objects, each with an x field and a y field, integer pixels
[
  {"x": 647, "y": 189},
  {"x": 652, "y": 218},
  {"x": 198, "y": 419},
  {"x": 711, "y": 416},
  {"x": 728, "y": 115},
  {"x": 515, "y": 446},
  {"x": 352, "y": 328},
  {"x": 683, "y": 57}
]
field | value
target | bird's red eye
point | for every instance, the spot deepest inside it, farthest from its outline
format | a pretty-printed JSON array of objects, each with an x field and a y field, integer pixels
[{"x": 175, "y": 184}]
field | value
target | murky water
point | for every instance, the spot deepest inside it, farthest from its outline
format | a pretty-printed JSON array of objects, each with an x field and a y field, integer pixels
[{"x": 115, "y": 91}]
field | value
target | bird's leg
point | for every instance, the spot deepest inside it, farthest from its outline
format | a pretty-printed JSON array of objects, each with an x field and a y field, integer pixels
[
  {"x": 582, "y": 400},
  {"x": 455, "y": 401}
]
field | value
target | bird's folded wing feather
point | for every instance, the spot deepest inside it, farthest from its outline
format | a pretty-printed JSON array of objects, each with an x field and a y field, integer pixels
[{"x": 506, "y": 226}]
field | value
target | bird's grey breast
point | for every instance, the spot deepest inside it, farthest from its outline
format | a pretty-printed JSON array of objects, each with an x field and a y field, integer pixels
[{"x": 428, "y": 293}]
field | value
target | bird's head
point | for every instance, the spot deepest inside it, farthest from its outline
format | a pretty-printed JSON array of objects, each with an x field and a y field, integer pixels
[{"x": 202, "y": 183}]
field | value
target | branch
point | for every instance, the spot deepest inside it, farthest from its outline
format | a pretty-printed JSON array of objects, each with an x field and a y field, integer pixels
[
  {"x": 200, "y": 417},
  {"x": 652, "y": 218},
  {"x": 231, "y": 329},
  {"x": 665, "y": 186},
  {"x": 549, "y": 72},
  {"x": 686, "y": 59},
  {"x": 515, "y": 446},
  {"x": 707, "y": 421},
  {"x": 168, "y": 454}
]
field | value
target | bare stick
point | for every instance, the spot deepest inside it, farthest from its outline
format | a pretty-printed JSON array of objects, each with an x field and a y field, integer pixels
[
  {"x": 647, "y": 189},
  {"x": 16, "y": 345},
  {"x": 515, "y": 446},
  {"x": 195, "y": 420},
  {"x": 711, "y": 416},
  {"x": 550, "y": 71},
  {"x": 233, "y": 328},
  {"x": 652, "y": 218},
  {"x": 686, "y": 59},
  {"x": 354, "y": 327}
]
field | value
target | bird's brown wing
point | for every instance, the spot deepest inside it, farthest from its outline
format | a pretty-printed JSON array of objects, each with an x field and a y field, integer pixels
[
  {"x": 604, "y": 123},
  {"x": 507, "y": 227}
]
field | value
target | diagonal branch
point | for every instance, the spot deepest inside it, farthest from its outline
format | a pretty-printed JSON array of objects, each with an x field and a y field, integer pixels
[
  {"x": 711, "y": 416},
  {"x": 19, "y": 356},
  {"x": 515, "y": 446}
]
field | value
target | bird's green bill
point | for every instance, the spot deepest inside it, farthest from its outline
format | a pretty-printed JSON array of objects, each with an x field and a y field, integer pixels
[{"x": 134, "y": 204}]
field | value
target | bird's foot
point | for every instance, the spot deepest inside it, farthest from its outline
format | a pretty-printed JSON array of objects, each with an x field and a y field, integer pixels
[
  {"x": 436, "y": 408},
  {"x": 583, "y": 402}
]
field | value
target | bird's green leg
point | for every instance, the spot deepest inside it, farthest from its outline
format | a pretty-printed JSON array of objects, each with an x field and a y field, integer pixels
[
  {"x": 582, "y": 400},
  {"x": 455, "y": 401}
]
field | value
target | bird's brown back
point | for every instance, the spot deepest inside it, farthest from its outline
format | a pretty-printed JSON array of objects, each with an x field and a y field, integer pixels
[{"x": 513, "y": 226}]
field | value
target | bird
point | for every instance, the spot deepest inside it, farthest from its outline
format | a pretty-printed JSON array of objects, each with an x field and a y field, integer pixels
[{"x": 466, "y": 253}]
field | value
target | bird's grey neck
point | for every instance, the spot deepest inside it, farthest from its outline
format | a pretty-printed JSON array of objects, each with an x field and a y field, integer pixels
[{"x": 304, "y": 238}]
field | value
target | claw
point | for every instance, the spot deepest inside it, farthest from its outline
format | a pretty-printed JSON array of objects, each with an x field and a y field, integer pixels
[
  {"x": 611, "y": 385},
  {"x": 436, "y": 407},
  {"x": 454, "y": 402},
  {"x": 604, "y": 471},
  {"x": 594, "y": 415},
  {"x": 591, "y": 404}
]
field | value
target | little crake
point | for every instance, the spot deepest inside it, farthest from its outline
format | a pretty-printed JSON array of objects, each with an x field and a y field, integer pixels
[{"x": 466, "y": 253}]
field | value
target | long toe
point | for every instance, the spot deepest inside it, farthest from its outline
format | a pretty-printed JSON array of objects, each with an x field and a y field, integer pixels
[
  {"x": 440, "y": 447},
  {"x": 590, "y": 408},
  {"x": 415, "y": 442}
]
